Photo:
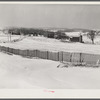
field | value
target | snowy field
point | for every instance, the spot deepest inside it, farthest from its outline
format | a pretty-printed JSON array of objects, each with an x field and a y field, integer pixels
[
  {"x": 18, "y": 72},
  {"x": 43, "y": 43},
  {"x": 6, "y": 38}
]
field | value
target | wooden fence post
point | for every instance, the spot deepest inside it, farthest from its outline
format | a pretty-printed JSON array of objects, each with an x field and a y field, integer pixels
[
  {"x": 58, "y": 56},
  {"x": 80, "y": 58},
  {"x": 71, "y": 57},
  {"x": 36, "y": 53},
  {"x": 62, "y": 56},
  {"x": 47, "y": 55}
]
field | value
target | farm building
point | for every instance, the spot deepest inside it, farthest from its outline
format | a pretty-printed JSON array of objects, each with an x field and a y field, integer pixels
[
  {"x": 60, "y": 35},
  {"x": 49, "y": 34},
  {"x": 74, "y": 36}
]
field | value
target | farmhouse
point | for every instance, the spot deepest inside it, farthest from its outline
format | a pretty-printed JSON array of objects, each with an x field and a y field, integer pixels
[
  {"x": 49, "y": 34},
  {"x": 74, "y": 36}
]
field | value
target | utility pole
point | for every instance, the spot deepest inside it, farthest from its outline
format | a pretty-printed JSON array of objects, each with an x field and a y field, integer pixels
[
  {"x": 10, "y": 36},
  {"x": 80, "y": 38}
]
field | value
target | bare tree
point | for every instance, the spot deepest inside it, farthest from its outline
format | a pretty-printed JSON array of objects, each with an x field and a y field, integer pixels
[{"x": 91, "y": 35}]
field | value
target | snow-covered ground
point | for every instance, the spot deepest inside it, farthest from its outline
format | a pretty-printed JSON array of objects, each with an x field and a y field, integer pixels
[
  {"x": 87, "y": 40},
  {"x": 43, "y": 43},
  {"x": 19, "y": 72},
  {"x": 16, "y": 71},
  {"x": 6, "y": 38}
]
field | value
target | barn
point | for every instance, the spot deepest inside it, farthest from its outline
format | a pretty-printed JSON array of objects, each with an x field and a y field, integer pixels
[
  {"x": 49, "y": 34},
  {"x": 74, "y": 36}
]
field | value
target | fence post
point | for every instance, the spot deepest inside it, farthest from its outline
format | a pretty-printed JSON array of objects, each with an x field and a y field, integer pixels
[
  {"x": 58, "y": 56},
  {"x": 36, "y": 54},
  {"x": 80, "y": 58},
  {"x": 71, "y": 57},
  {"x": 62, "y": 56},
  {"x": 47, "y": 55}
]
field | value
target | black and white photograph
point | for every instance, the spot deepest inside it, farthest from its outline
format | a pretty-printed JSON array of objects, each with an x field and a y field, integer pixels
[{"x": 49, "y": 46}]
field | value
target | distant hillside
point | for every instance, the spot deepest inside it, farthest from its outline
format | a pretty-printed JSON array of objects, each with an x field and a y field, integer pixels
[{"x": 68, "y": 30}]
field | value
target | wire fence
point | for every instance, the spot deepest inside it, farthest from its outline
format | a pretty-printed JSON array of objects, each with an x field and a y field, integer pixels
[{"x": 55, "y": 56}]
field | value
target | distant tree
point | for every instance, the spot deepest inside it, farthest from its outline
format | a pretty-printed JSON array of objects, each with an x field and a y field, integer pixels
[{"x": 91, "y": 35}]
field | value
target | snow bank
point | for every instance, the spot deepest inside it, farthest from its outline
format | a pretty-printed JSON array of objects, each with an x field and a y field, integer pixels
[
  {"x": 15, "y": 71},
  {"x": 19, "y": 72}
]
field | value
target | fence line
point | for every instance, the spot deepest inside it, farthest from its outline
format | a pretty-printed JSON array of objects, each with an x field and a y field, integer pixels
[{"x": 55, "y": 56}]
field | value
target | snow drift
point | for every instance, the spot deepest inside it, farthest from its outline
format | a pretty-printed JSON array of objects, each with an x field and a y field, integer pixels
[{"x": 19, "y": 72}]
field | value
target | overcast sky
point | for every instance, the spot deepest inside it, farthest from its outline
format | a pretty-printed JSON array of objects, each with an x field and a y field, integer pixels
[{"x": 48, "y": 15}]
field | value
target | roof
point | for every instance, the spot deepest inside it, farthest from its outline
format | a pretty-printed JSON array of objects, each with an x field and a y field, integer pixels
[{"x": 73, "y": 34}]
